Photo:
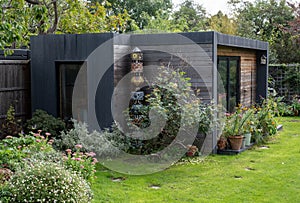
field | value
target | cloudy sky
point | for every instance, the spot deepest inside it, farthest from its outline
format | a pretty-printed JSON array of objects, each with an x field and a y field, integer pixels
[{"x": 211, "y": 6}]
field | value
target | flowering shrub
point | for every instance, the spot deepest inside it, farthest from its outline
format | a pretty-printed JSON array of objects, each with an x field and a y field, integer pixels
[
  {"x": 47, "y": 182},
  {"x": 83, "y": 163},
  {"x": 13, "y": 150}
]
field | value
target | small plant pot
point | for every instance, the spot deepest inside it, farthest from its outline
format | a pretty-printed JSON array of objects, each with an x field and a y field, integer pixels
[
  {"x": 247, "y": 139},
  {"x": 235, "y": 142}
]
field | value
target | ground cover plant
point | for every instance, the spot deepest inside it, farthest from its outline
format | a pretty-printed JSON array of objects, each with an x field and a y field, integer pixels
[{"x": 267, "y": 173}]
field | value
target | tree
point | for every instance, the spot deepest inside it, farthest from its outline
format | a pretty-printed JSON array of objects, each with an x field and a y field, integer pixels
[
  {"x": 84, "y": 17},
  {"x": 263, "y": 20},
  {"x": 222, "y": 23},
  {"x": 139, "y": 11},
  {"x": 160, "y": 23},
  {"x": 288, "y": 48},
  {"x": 190, "y": 17},
  {"x": 21, "y": 19}
]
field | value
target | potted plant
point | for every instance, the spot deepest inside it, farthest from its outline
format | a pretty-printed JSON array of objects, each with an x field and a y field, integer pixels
[
  {"x": 249, "y": 127},
  {"x": 234, "y": 126}
]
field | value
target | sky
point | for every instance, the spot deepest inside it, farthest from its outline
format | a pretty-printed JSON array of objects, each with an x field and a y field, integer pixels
[{"x": 212, "y": 6}]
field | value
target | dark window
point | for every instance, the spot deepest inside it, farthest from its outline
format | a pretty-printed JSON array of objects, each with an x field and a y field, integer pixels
[
  {"x": 229, "y": 82},
  {"x": 67, "y": 73}
]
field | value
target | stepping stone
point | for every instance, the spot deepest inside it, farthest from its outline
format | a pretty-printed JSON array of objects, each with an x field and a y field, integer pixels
[
  {"x": 119, "y": 179},
  {"x": 156, "y": 187}
]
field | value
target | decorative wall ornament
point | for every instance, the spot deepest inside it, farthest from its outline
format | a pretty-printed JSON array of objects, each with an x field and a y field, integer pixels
[
  {"x": 137, "y": 79},
  {"x": 137, "y": 67}
]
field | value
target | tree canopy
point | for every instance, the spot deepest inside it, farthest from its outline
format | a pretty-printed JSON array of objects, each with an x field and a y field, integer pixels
[
  {"x": 275, "y": 21},
  {"x": 267, "y": 20}
]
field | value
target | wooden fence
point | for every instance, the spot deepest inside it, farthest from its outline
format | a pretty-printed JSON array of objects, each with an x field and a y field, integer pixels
[
  {"x": 15, "y": 86},
  {"x": 285, "y": 79}
]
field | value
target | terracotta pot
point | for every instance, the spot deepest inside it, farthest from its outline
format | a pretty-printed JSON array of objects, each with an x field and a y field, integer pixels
[{"x": 236, "y": 142}]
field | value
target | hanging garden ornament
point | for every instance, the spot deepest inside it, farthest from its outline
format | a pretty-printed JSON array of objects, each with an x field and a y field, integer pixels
[
  {"x": 137, "y": 80},
  {"x": 137, "y": 67},
  {"x": 136, "y": 54}
]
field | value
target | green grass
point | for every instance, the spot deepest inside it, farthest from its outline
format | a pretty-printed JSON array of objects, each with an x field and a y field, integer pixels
[{"x": 275, "y": 176}]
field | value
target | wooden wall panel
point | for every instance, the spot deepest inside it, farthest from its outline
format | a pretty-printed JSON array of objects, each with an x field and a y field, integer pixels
[
  {"x": 202, "y": 62},
  {"x": 247, "y": 74}
]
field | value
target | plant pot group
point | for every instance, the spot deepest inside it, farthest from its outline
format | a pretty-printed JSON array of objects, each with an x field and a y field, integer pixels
[{"x": 234, "y": 142}]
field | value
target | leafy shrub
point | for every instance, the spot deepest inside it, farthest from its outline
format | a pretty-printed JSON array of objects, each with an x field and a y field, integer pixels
[
  {"x": 68, "y": 140},
  {"x": 266, "y": 117},
  {"x": 173, "y": 100},
  {"x": 5, "y": 194},
  {"x": 205, "y": 118},
  {"x": 100, "y": 142},
  {"x": 48, "y": 182},
  {"x": 11, "y": 125},
  {"x": 41, "y": 120}
]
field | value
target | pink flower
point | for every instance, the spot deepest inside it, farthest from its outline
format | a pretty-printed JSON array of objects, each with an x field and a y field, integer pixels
[
  {"x": 38, "y": 140},
  {"x": 81, "y": 166},
  {"x": 19, "y": 147},
  {"x": 95, "y": 160},
  {"x": 39, "y": 131},
  {"x": 42, "y": 137},
  {"x": 227, "y": 114},
  {"x": 78, "y": 146},
  {"x": 73, "y": 158},
  {"x": 8, "y": 137},
  {"x": 91, "y": 154},
  {"x": 36, "y": 134},
  {"x": 78, "y": 159},
  {"x": 47, "y": 134},
  {"x": 69, "y": 151}
]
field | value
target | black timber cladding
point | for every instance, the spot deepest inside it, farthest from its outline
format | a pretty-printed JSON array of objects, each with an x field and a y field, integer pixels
[
  {"x": 49, "y": 49},
  {"x": 241, "y": 42}
]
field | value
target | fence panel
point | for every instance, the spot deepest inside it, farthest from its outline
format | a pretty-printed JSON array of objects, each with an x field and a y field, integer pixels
[
  {"x": 15, "y": 87},
  {"x": 286, "y": 80}
]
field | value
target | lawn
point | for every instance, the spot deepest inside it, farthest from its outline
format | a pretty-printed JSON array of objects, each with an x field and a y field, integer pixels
[{"x": 258, "y": 175}]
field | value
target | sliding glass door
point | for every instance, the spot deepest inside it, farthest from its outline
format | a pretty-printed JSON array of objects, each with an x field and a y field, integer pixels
[{"x": 229, "y": 82}]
